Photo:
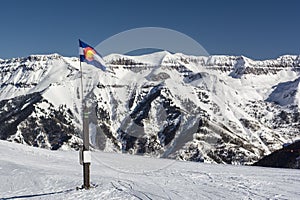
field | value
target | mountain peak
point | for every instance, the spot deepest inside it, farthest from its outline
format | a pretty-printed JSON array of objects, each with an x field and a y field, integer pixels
[
  {"x": 150, "y": 59},
  {"x": 215, "y": 109}
]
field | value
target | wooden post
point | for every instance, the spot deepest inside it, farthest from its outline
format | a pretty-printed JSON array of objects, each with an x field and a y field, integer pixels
[{"x": 86, "y": 147}]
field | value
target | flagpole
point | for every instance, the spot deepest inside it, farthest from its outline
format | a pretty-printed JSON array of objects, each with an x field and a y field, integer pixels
[
  {"x": 86, "y": 144},
  {"x": 89, "y": 54}
]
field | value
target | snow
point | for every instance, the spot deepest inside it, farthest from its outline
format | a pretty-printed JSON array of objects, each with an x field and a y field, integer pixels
[
  {"x": 221, "y": 78},
  {"x": 286, "y": 93},
  {"x": 153, "y": 59},
  {"x": 35, "y": 173}
]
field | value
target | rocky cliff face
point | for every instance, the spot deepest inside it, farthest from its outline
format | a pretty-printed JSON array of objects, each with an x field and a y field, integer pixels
[
  {"x": 286, "y": 157},
  {"x": 222, "y": 109}
]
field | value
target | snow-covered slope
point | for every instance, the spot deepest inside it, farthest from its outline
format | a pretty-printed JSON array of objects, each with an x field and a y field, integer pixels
[
  {"x": 222, "y": 109},
  {"x": 34, "y": 173}
]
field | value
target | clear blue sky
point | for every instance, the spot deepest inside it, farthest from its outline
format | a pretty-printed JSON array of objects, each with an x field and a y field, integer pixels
[{"x": 257, "y": 29}]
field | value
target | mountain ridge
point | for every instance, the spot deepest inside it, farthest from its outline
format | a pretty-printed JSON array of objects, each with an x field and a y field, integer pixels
[{"x": 224, "y": 109}]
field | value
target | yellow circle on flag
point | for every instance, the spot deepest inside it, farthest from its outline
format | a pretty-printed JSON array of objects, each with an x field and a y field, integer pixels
[{"x": 89, "y": 53}]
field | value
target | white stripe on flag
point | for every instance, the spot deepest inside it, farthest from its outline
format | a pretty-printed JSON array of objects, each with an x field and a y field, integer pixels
[
  {"x": 99, "y": 59},
  {"x": 81, "y": 51}
]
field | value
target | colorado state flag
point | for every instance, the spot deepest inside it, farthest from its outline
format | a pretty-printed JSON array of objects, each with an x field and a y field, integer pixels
[{"x": 90, "y": 56}]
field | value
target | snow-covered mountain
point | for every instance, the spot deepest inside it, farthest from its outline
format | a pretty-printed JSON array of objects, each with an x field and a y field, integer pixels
[
  {"x": 34, "y": 173},
  {"x": 223, "y": 109}
]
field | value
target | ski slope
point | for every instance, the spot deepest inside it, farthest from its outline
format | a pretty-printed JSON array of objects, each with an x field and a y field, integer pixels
[{"x": 34, "y": 173}]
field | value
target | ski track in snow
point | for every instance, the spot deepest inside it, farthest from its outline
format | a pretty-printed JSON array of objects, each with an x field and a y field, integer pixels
[{"x": 32, "y": 173}]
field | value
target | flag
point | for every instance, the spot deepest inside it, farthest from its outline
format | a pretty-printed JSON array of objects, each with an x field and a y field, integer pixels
[{"x": 90, "y": 56}]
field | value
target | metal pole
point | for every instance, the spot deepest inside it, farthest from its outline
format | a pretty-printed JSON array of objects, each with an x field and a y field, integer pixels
[{"x": 86, "y": 143}]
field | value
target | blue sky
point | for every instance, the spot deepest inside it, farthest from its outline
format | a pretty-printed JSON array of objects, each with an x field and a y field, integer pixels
[{"x": 257, "y": 29}]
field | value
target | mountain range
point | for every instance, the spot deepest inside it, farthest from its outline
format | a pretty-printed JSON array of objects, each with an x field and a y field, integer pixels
[{"x": 216, "y": 109}]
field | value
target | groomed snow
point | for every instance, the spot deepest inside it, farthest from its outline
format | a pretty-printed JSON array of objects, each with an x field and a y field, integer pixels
[{"x": 33, "y": 173}]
